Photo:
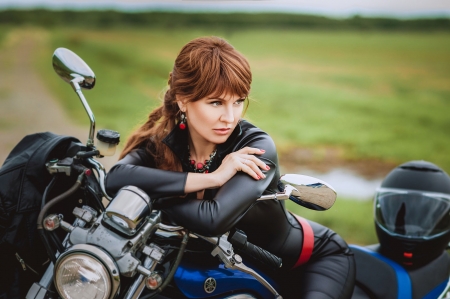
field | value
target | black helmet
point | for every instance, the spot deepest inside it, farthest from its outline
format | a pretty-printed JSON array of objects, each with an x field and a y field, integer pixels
[{"x": 412, "y": 213}]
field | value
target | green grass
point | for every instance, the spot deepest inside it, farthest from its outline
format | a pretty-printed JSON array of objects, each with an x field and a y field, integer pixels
[
  {"x": 376, "y": 95},
  {"x": 351, "y": 219},
  {"x": 3, "y": 32},
  {"x": 372, "y": 95},
  {"x": 379, "y": 94}
]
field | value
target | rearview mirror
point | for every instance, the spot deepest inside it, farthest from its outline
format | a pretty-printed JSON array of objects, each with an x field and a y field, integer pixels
[
  {"x": 69, "y": 66},
  {"x": 72, "y": 69},
  {"x": 309, "y": 192}
]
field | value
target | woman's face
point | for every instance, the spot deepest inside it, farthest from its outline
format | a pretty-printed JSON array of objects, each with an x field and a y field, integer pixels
[{"x": 213, "y": 119}]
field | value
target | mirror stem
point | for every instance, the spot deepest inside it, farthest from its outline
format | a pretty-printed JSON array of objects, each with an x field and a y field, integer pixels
[
  {"x": 75, "y": 85},
  {"x": 280, "y": 195}
]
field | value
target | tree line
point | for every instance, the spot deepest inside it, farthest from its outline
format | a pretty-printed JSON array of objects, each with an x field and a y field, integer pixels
[{"x": 112, "y": 19}]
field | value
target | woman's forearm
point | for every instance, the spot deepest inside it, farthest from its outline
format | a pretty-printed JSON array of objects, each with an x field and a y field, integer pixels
[
  {"x": 155, "y": 182},
  {"x": 201, "y": 181}
]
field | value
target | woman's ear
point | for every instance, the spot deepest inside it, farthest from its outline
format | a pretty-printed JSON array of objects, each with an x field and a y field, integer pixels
[{"x": 181, "y": 104}]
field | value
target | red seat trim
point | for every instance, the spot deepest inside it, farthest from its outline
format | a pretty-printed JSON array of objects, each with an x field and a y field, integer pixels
[{"x": 308, "y": 241}]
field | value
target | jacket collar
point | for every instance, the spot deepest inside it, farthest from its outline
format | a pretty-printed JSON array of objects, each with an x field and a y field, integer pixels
[{"x": 177, "y": 141}]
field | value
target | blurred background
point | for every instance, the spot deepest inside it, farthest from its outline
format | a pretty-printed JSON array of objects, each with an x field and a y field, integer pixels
[{"x": 348, "y": 91}]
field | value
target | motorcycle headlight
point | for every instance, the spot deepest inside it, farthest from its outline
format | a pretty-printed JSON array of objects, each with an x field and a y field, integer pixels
[{"x": 85, "y": 271}]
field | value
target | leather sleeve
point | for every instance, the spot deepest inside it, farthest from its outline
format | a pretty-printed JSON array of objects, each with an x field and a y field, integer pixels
[
  {"x": 133, "y": 170},
  {"x": 218, "y": 215}
]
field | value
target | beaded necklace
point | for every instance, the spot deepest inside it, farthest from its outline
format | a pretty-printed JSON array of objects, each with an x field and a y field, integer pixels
[{"x": 201, "y": 167}]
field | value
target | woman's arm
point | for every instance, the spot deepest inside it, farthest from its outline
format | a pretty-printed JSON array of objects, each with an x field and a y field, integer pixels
[
  {"x": 217, "y": 216},
  {"x": 241, "y": 160},
  {"x": 133, "y": 170}
]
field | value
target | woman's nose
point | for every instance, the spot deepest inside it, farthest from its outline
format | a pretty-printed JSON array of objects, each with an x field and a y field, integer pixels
[{"x": 227, "y": 115}]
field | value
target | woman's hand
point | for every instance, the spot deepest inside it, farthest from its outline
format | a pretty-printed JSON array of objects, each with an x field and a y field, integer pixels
[{"x": 243, "y": 160}]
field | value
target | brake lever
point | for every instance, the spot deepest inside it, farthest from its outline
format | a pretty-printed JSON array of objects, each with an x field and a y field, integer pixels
[{"x": 224, "y": 251}]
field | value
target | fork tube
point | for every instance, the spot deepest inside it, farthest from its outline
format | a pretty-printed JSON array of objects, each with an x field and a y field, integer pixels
[{"x": 138, "y": 286}]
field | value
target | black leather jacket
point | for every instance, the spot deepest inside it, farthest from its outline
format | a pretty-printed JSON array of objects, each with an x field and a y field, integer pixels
[
  {"x": 330, "y": 272},
  {"x": 266, "y": 223}
]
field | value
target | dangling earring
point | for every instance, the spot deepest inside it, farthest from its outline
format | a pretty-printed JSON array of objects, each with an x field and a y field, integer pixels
[{"x": 182, "y": 124}]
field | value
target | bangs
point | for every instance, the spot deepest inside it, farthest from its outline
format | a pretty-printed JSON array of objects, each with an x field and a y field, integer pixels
[
  {"x": 227, "y": 83},
  {"x": 215, "y": 72}
]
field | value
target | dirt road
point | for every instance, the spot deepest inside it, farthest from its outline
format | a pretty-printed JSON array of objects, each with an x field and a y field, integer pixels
[{"x": 26, "y": 105}]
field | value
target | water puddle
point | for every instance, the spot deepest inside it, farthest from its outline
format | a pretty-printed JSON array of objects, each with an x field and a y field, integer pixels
[{"x": 348, "y": 184}]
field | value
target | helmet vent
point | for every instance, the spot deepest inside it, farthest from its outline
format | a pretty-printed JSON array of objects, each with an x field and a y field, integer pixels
[
  {"x": 420, "y": 169},
  {"x": 420, "y": 166}
]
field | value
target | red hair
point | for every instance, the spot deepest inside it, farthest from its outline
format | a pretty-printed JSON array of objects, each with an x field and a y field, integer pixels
[{"x": 206, "y": 66}]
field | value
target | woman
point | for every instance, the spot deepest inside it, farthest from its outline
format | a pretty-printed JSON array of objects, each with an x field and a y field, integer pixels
[{"x": 211, "y": 166}]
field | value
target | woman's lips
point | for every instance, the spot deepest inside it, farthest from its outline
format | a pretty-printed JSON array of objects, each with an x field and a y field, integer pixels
[{"x": 223, "y": 131}]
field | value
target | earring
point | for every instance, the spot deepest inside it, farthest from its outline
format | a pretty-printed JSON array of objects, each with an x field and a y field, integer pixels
[{"x": 182, "y": 124}]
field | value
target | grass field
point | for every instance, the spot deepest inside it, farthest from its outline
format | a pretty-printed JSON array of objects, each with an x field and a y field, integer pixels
[
  {"x": 371, "y": 95},
  {"x": 351, "y": 219},
  {"x": 376, "y": 95}
]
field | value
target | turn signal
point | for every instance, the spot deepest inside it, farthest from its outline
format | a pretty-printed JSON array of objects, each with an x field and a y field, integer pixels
[
  {"x": 153, "y": 281},
  {"x": 51, "y": 222}
]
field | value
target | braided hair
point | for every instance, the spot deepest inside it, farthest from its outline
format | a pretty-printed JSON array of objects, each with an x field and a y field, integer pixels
[{"x": 206, "y": 66}]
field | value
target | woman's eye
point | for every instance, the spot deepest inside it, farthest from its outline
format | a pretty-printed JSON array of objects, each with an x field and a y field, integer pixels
[
  {"x": 216, "y": 103},
  {"x": 239, "y": 102}
]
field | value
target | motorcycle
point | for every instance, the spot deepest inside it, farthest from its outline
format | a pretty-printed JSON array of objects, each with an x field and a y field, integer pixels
[{"x": 124, "y": 250}]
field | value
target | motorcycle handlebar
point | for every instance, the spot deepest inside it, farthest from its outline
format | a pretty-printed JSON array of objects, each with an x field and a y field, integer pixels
[
  {"x": 88, "y": 154},
  {"x": 263, "y": 256},
  {"x": 239, "y": 241}
]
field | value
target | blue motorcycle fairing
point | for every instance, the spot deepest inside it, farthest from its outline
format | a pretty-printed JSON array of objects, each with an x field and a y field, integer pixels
[
  {"x": 437, "y": 291},
  {"x": 190, "y": 279}
]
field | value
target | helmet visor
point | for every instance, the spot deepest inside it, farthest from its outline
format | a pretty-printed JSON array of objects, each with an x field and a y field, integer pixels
[{"x": 410, "y": 213}]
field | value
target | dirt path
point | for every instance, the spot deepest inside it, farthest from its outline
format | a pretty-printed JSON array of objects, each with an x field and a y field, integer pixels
[{"x": 26, "y": 105}]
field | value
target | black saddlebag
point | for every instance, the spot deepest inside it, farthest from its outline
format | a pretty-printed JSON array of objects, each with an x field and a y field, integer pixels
[{"x": 23, "y": 179}]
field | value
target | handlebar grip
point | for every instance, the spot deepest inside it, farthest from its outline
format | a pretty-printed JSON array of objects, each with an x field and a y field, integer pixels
[
  {"x": 239, "y": 240},
  {"x": 89, "y": 154},
  {"x": 263, "y": 256}
]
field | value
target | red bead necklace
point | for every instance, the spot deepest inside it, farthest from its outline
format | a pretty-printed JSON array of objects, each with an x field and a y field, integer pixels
[{"x": 201, "y": 167}]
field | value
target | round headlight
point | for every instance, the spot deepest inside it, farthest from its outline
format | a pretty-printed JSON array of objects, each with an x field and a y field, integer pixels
[{"x": 82, "y": 276}]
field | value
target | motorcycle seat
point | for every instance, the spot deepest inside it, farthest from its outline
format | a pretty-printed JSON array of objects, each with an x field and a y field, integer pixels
[
  {"x": 380, "y": 277},
  {"x": 374, "y": 277}
]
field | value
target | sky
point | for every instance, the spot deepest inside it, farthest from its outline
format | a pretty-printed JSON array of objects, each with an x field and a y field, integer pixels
[{"x": 336, "y": 8}]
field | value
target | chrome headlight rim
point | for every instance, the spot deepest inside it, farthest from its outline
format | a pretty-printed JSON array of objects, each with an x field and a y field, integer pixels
[{"x": 98, "y": 254}]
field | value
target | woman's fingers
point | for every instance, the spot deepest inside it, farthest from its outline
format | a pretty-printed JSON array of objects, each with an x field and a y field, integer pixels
[
  {"x": 245, "y": 160},
  {"x": 252, "y": 166},
  {"x": 258, "y": 162},
  {"x": 251, "y": 151}
]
